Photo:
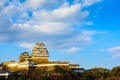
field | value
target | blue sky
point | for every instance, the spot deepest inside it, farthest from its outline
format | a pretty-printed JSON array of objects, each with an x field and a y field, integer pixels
[{"x": 80, "y": 31}]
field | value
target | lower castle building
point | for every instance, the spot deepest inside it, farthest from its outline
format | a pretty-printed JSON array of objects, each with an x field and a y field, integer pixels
[{"x": 38, "y": 59}]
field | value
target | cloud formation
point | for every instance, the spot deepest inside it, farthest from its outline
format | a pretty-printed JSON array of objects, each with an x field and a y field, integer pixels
[
  {"x": 56, "y": 22},
  {"x": 115, "y": 51},
  {"x": 89, "y": 2}
]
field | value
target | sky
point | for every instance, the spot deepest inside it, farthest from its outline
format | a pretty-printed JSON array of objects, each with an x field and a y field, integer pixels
[{"x": 84, "y": 32}]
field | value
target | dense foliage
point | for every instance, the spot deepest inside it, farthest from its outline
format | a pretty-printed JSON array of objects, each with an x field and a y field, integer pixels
[{"x": 66, "y": 74}]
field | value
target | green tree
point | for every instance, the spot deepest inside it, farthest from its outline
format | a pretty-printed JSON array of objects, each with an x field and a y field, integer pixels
[
  {"x": 95, "y": 73},
  {"x": 23, "y": 77},
  {"x": 13, "y": 76},
  {"x": 59, "y": 69},
  {"x": 1, "y": 64},
  {"x": 115, "y": 71}
]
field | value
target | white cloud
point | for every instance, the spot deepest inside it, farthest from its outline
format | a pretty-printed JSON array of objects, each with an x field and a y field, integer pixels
[
  {"x": 2, "y": 3},
  {"x": 39, "y": 4},
  {"x": 69, "y": 13},
  {"x": 115, "y": 51},
  {"x": 117, "y": 55},
  {"x": 3, "y": 37},
  {"x": 89, "y": 2},
  {"x": 66, "y": 11},
  {"x": 102, "y": 50},
  {"x": 5, "y": 23},
  {"x": 56, "y": 21},
  {"x": 34, "y": 4},
  {"x": 50, "y": 27},
  {"x": 52, "y": 21},
  {"x": 85, "y": 36},
  {"x": 72, "y": 50},
  {"x": 27, "y": 45}
]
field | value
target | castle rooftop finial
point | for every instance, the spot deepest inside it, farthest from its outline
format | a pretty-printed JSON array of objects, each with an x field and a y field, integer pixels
[{"x": 39, "y": 44}]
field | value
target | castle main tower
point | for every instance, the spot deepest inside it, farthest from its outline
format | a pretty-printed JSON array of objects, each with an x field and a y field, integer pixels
[{"x": 39, "y": 53}]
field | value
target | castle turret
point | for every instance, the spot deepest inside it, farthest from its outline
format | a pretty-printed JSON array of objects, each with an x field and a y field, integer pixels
[
  {"x": 39, "y": 53},
  {"x": 24, "y": 57}
]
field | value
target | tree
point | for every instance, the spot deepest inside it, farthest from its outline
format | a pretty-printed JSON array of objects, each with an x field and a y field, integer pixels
[
  {"x": 13, "y": 76},
  {"x": 1, "y": 64},
  {"x": 115, "y": 71},
  {"x": 95, "y": 73},
  {"x": 59, "y": 69}
]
